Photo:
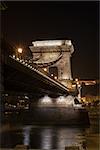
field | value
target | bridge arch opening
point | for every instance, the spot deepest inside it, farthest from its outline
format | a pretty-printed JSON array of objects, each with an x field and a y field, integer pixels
[{"x": 53, "y": 71}]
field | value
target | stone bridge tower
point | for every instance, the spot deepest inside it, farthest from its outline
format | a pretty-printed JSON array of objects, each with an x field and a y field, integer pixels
[{"x": 54, "y": 54}]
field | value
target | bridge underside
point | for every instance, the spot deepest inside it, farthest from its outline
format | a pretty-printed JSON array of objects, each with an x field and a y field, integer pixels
[{"x": 18, "y": 78}]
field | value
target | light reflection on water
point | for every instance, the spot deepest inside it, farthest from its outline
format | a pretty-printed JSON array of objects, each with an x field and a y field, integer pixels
[
  {"x": 68, "y": 137},
  {"x": 49, "y": 137},
  {"x": 46, "y": 137},
  {"x": 26, "y": 135}
]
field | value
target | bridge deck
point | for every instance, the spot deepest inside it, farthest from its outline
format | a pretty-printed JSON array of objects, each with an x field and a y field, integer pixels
[{"x": 23, "y": 77}]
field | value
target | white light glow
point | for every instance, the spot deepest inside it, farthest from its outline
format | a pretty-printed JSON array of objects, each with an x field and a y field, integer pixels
[
  {"x": 45, "y": 69},
  {"x": 46, "y": 138},
  {"x": 76, "y": 79},
  {"x": 13, "y": 56},
  {"x": 68, "y": 42},
  {"x": 26, "y": 134},
  {"x": 48, "y": 43},
  {"x": 20, "y": 50},
  {"x": 61, "y": 100},
  {"x": 51, "y": 75},
  {"x": 79, "y": 85},
  {"x": 55, "y": 77},
  {"x": 26, "y": 64},
  {"x": 66, "y": 101},
  {"x": 20, "y": 60},
  {"x": 26, "y": 97},
  {"x": 45, "y": 100},
  {"x": 73, "y": 85}
]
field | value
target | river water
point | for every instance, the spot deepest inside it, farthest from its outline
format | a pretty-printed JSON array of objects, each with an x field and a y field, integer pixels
[{"x": 49, "y": 137}]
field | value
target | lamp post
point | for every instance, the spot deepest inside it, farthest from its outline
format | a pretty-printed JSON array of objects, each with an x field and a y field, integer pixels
[
  {"x": 79, "y": 87},
  {"x": 20, "y": 50}
]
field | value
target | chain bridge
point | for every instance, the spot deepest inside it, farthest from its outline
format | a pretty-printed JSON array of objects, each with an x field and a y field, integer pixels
[{"x": 48, "y": 72}]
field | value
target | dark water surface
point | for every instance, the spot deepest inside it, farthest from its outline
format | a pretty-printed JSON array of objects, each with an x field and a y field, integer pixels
[{"x": 49, "y": 137}]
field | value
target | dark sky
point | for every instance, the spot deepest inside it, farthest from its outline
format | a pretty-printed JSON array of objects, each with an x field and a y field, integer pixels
[{"x": 23, "y": 22}]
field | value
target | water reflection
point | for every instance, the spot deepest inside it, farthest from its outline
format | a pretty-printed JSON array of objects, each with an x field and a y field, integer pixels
[
  {"x": 45, "y": 137},
  {"x": 26, "y": 135},
  {"x": 52, "y": 137}
]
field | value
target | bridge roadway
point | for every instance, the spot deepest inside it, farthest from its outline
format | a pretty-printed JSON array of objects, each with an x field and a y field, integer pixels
[{"x": 22, "y": 77}]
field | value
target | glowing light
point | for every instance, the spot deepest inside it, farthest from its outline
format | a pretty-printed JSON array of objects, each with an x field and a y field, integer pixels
[
  {"x": 61, "y": 100},
  {"x": 13, "y": 56},
  {"x": 26, "y": 134},
  {"x": 68, "y": 42},
  {"x": 70, "y": 100},
  {"x": 76, "y": 79},
  {"x": 26, "y": 97},
  {"x": 48, "y": 43},
  {"x": 89, "y": 82},
  {"x": 45, "y": 69},
  {"x": 55, "y": 77},
  {"x": 46, "y": 138},
  {"x": 20, "y": 60},
  {"x": 73, "y": 85},
  {"x": 66, "y": 101},
  {"x": 14, "y": 106},
  {"x": 52, "y": 43},
  {"x": 17, "y": 58},
  {"x": 79, "y": 85},
  {"x": 45, "y": 100},
  {"x": 20, "y": 50},
  {"x": 26, "y": 64},
  {"x": 51, "y": 75},
  {"x": 23, "y": 62}
]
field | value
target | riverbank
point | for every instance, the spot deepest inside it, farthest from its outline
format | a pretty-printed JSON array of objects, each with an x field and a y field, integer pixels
[{"x": 93, "y": 134}]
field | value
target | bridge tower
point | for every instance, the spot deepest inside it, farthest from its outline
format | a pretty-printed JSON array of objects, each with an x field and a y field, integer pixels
[{"x": 54, "y": 54}]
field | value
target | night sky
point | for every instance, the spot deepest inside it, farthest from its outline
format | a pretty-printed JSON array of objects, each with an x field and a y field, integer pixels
[{"x": 23, "y": 22}]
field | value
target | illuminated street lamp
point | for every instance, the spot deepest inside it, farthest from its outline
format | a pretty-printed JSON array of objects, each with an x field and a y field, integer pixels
[{"x": 20, "y": 50}]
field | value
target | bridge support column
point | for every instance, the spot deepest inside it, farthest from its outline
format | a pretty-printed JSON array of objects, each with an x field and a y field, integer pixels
[{"x": 64, "y": 70}]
